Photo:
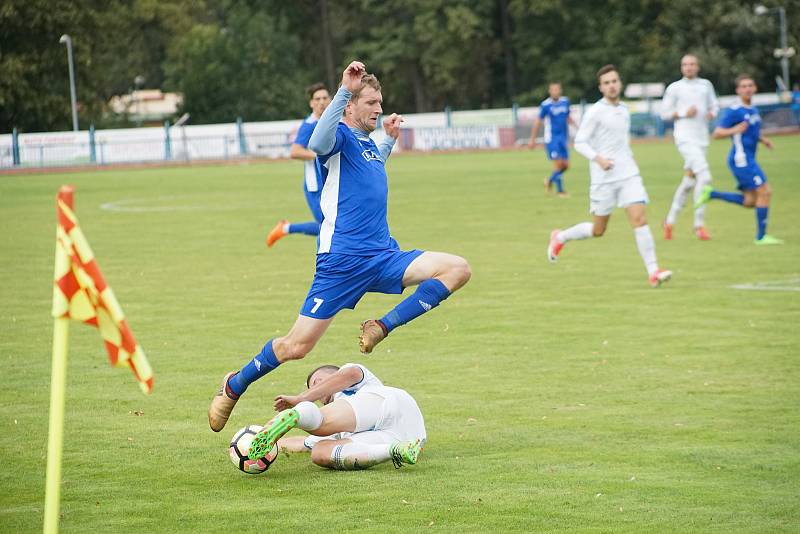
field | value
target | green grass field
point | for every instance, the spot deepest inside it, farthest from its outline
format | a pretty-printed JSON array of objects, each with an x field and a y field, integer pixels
[{"x": 558, "y": 398}]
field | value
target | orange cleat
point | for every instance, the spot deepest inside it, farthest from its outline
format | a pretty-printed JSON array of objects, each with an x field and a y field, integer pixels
[
  {"x": 554, "y": 247},
  {"x": 702, "y": 234},
  {"x": 276, "y": 233},
  {"x": 659, "y": 277},
  {"x": 667, "y": 231}
]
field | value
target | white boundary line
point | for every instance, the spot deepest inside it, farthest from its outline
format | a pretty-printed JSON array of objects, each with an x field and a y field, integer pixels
[
  {"x": 792, "y": 284},
  {"x": 124, "y": 206}
]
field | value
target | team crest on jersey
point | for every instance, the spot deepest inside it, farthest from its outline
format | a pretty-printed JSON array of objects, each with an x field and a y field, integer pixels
[{"x": 370, "y": 155}]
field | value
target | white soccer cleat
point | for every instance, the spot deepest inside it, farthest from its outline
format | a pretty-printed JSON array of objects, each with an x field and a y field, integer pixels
[{"x": 554, "y": 247}]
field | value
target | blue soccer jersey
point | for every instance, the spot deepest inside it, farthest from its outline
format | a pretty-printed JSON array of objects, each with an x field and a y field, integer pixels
[
  {"x": 744, "y": 145},
  {"x": 354, "y": 199},
  {"x": 554, "y": 114},
  {"x": 311, "y": 173}
]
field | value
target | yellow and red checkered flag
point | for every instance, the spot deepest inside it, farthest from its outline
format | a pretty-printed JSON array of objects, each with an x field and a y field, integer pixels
[{"x": 80, "y": 292}]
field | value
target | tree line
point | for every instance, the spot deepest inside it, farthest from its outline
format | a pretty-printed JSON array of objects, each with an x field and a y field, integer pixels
[{"x": 252, "y": 58}]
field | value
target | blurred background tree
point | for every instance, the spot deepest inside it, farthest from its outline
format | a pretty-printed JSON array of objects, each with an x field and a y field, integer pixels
[{"x": 252, "y": 59}]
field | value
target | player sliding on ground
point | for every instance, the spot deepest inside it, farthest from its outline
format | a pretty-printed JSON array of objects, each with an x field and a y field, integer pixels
[
  {"x": 742, "y": 123},
  {"x": 356, "y": 253},
  {"x": 361, "y": 423},
  {"x": 691, "y": 103},
  {"x": 603, "y": 137}
]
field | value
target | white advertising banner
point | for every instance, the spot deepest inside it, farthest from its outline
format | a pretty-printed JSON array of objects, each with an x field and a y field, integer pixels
[{"x": 458, "y": 138}]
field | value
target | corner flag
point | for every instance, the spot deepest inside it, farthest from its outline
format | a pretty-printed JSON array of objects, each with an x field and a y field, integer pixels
[{"x": 80, "y": 292}]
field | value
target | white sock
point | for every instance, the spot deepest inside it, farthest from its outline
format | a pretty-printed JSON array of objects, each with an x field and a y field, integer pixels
[
  {"x": 703, "y": 179},
  {"x": 679, "y": 199},
  {"x": 286, "y": 228},
  {"x": 352, "y": 456},
  {"x": 647, "y": 247},
  {"x": 310, "y": 416},
  {"x": 579, "y": 231}
]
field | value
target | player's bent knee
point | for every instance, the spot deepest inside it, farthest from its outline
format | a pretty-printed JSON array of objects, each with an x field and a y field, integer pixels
[
  {"x": 321, "y": 455},
  {"x": 459, "y": 273}
]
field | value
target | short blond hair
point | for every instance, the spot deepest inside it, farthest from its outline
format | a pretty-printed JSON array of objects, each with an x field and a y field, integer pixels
[{"x": 367, "y": 80}]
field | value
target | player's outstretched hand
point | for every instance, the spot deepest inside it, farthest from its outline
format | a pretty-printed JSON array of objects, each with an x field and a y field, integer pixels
[
  {"x": 391, "y": 125},
  {"x": 351, "y": 77},
  {"x": 284, "y": 402},
  {"x": 767, "y": 142}
]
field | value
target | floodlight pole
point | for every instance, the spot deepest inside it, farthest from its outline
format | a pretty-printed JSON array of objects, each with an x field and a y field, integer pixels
[{"x": 68, "y": 41}]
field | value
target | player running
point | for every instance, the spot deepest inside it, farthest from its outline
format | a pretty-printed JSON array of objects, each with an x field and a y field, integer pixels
[
  {"x": 603, "y": 137},
  {"x": 356, "y": 253},
  {"x": 742, "y": 123},
  {"x": 319, "y": 100},
  {"x": 554, "y": 112},
  {"x": 691, "y": 103},
  {"x": 361, "y": 423}
]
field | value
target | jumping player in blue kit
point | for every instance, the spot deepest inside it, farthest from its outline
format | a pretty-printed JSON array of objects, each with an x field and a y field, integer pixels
[
  {"x": 554, "y": 113},
  {"x": 319, "y": 98},
  {"x": 742, "y": 123},
  {"x": 356, "y": 253}
]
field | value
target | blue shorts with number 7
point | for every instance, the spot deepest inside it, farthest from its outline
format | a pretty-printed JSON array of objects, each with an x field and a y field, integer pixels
[{"x": 341, "y": 280}]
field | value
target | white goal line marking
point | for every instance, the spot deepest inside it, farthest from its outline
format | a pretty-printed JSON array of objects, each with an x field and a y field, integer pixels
[
  {"x": 792, "y": 284},
  {"x": 135, "y": 205}
]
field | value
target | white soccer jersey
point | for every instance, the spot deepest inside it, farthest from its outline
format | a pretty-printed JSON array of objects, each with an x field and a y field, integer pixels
[
  {"x": 605, "y": 130},
  {"x": 369, "y": 379},
  {"x": 681, "y": 95}
]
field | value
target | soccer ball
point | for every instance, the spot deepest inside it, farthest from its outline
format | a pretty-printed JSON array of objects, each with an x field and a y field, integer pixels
[{"x": 240, "y": 446}]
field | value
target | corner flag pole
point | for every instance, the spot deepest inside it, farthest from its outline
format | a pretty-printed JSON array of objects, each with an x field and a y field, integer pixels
[{"x": 58, "y": 382}]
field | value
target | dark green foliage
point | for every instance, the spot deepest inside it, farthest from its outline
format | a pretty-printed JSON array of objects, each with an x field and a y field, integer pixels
[{"x": 252, "y": 59}]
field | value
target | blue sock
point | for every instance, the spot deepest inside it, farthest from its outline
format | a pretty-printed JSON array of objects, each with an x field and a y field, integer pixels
[
  {"x": 308, "y": 228},
  {"x": 761, "y": 221},
  {"x": 263, "y": 362},
  {"x": 427, "y": 296},
  {"x": 733, "y": 198},
  {"x": 555, "y": 178}
]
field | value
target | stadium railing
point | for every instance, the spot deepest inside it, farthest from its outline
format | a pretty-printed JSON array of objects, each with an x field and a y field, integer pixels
[{"x": 447, "y": 130}]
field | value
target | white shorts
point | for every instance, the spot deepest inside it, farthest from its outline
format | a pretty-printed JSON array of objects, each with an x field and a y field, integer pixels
[
  {"x": 694, "y": 157},
  {"x": 603, "y": 198},
  {"x": 383, "y": 415}
]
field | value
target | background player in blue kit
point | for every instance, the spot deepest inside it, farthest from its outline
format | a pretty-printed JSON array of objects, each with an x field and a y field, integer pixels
[
  {"x": 742, "y": 123},
  {"x": 356, "y": 253},
  {"x": 312, "y": 186},
  {"x": 554, "y": 113}
]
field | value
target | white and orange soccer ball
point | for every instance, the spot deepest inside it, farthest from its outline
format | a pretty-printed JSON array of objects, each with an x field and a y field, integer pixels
[{"x": 240, "y": 446}]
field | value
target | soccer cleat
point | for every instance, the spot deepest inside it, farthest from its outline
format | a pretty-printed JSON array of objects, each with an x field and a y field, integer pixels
[
  {"x": 659, "y": 277},
  {"x": 372, "y": 333},
  {"x": 667, "y": 231},
  {"x": 272, "y": 432},
  {"x": 768, "y": 240},
  {"x": 705, "y": 196},
  {"x": 221, "y": 406},
  {"x": 554, "y": 247},
  {"x": 405, "y": 452},
  {"x": 276, "y": 233},
  {"x": 702, "y": 234}
]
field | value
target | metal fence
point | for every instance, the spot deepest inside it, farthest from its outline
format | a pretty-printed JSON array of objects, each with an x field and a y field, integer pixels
[{"x": 447, "y": 130}]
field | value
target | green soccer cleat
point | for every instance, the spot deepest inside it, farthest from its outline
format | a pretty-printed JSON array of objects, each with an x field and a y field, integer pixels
[
  {"x": 705, "y": 196},
  {"x": 272, "y": 432},
  {"x": 768, "y": 240},
  {"x": 405, "y": 452}
]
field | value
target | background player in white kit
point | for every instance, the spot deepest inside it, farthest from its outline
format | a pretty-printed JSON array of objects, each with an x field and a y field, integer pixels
[
  {"x": 604, "y": 138},
  {"x": 691, "y": 103},
  {"x": 362, "y": 422}
]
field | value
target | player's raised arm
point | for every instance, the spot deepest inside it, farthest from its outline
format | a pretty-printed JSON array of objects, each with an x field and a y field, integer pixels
[
  {"x": 323, "y": 139},
  {"x": 391, "y": 125},
  {"x": 338, "y": 381}
]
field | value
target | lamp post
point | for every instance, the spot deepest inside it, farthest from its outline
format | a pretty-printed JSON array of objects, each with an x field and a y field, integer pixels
[
  {"x": 784, "y": 52},
  {"x": 68, "y": 40}
]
